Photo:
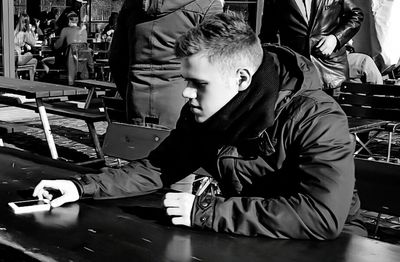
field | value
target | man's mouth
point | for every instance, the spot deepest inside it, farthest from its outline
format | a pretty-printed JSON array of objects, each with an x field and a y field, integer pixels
[{"x": 194, "y": 108}]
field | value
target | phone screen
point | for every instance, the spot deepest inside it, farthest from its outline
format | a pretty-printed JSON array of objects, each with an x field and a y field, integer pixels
[{"x": 30, "y": 203}]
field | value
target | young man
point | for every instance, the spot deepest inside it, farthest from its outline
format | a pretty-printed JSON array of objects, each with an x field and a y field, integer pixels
[{"x": 259, "y": 123}]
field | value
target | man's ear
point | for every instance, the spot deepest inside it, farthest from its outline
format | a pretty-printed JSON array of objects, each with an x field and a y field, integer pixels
[{"x": 244, "y": 78}]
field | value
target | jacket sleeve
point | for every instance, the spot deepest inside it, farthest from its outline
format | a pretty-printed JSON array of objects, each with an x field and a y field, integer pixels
[
  {"x": 29, "y": 38},
  {"x": 269, "y": 27},
  {"x": 350, "y": 22},
  {"x": 60, "y": 41},
  {"x": 316, "y": 205},
  {"x": 171, "y": 161}
]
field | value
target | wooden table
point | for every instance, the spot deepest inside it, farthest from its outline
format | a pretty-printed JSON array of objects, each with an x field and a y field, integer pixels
[
  {"x": 93, "y": 85},
  {"x": 40, "y": 91},
  {"x": 136, "y": 229}
]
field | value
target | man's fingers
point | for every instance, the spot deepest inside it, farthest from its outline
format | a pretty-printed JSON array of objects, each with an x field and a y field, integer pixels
[
  {"x": 175, "y": 196},
  {"x": 40, "y": 188},
  {"x": 59, "y": 201},
  {"x": 178, "y": 221},
  {"x": 170, "y": 203},
  {"x": 172, "y": 211}
]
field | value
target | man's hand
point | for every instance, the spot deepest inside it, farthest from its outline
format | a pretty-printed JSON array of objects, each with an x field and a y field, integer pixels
[
  {"x": 69, "y": 192},
  {"x": 179, "y": 206},
  {"x": 327, "y": 45}
]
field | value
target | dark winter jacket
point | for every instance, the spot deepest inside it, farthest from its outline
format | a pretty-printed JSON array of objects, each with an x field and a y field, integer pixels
[
  {"x": 342, "y": 18},
  {"x": 283, "y": 158},
  {"x": 142, "y": 59}
]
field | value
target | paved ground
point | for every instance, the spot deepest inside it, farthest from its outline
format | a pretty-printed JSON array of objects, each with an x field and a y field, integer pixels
[{"x": 71, "y": 136}]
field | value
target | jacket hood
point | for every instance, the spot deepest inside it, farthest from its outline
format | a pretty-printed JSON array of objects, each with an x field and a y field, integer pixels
[
  {"x": 296, "y": 72},
  {"x": 163, "y": 7}
]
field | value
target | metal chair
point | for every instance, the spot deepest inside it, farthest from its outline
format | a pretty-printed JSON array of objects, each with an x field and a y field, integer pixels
[
  {"x": 371, "y": 107},
  {"x": 79, "y": 59}
]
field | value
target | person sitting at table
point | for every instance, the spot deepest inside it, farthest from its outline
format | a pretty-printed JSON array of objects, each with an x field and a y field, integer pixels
[
  {"x": 109, "y": 29},
  {"x": 69, "y": 35},
  {"x": 362, "y": 68},
  {"x": 24, "y": 41},
  {"x": 258, "y": 121},
  {"x": 39, "y": 35},
  {"x": 62, "y": 20}
]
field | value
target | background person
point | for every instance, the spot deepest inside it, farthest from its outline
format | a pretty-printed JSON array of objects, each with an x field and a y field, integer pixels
[
  {"x": 257, "y": 120},
  {"x": 316, "y": 29},
  {"x": 142, "y": 59},
  {"x": 69, "y": 35},
  {"x": 24, "y": 40},
  {"x": 72, "y": 33},
  {"x": 362, "y": 68},
  {"x": 62, "y": 21},
  {"x": 109, "y": 29}
]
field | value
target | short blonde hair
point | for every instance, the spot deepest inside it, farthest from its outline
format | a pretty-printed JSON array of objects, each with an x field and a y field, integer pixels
[{"x": 224, "y": 38}]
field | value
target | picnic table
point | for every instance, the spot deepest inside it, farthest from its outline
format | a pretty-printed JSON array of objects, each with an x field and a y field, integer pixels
[
  {"x": 40, "y": 93},
  {"x": 137, "y": 229}
]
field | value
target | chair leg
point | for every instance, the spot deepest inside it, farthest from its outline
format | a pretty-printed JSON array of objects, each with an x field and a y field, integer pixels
[
  {"x": 389, "y": 146},
  {"x": 95, "y": 139},
  {"x": 363, "y": 145},
  {"x": 378, "y": 220}
]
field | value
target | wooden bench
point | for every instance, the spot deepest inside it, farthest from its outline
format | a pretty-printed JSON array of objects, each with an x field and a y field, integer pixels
[{"x": 66, "y": 109}]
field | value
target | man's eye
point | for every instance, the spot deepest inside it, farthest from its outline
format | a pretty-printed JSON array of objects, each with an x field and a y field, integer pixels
[{"x": 196, "y": 84}]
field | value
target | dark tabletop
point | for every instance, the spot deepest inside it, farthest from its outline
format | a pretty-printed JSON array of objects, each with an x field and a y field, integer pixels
[
  {"x": 95, "y": 83},
  {"x": 35, "y": 89},
  {"x": 136, "y": 229}
]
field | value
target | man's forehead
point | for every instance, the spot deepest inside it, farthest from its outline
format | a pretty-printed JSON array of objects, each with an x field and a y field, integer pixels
[{"x": 195, "y": 64}]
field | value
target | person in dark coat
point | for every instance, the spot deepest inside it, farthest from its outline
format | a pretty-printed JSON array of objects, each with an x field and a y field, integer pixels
[
  {"x": 318, "y": 29},
  {"x": 142, "y": 59},
  {"x": 258, "y": 122},
  {"x": 63, "y": 19}
]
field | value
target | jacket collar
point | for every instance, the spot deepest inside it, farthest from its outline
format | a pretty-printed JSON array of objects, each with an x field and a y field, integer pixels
[
  {"x": 247, "y": 117},
  {"x": 251, "y": 111}
]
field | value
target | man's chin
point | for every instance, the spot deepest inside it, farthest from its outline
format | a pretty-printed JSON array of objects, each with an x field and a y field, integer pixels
[{"x": 200, "y": 119}]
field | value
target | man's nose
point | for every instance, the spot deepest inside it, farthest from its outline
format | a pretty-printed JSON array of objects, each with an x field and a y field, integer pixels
[{"x": 189, "y": 92}]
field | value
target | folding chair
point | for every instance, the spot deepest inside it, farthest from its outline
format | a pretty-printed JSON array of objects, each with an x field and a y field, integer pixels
[
  {"x": 371, "y": 107},
  {"x": 378, "y": 185},
  {"x": 79, "y": 59}
]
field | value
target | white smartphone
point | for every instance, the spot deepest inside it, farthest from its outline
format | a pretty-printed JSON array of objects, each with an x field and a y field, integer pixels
[{"x": 28, "y": 206}]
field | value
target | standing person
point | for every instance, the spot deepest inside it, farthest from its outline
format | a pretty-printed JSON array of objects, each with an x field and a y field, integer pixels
[
  {"x": 142, "y": 60},
  {"x": 24, "y": 40},
  {"x": 73, "y": 34},
  {"x": 257, "y": 120},
  {"x": 317, "y": 29}
]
